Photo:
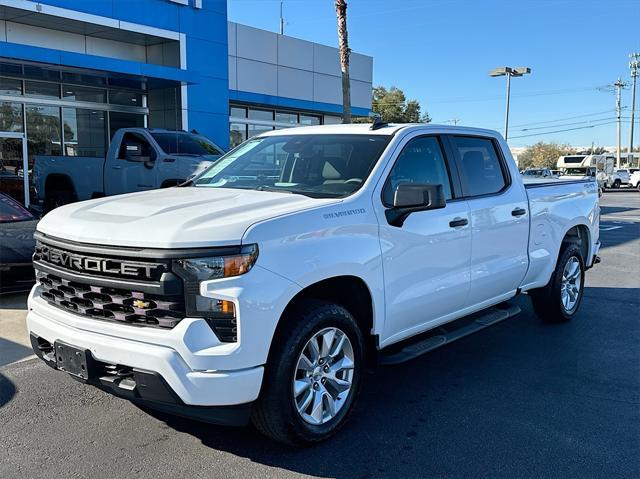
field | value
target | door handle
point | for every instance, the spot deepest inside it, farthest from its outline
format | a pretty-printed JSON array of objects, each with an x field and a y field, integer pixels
[
  {"x": 117, "y": 167},
  {"x": 519, "y": 212},
  {"x": 457, "y": 222},
  {"x": 168, "y": 160}
]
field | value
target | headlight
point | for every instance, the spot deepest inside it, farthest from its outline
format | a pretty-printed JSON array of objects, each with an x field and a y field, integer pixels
[
  {"x": 214, "y": 267},
  {"x": 220, "y": 314}
]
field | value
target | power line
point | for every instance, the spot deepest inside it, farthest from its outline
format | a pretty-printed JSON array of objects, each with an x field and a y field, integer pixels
[{"x": 561, "y": 131}]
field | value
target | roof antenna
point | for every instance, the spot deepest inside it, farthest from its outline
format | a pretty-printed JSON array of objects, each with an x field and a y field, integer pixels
[{"x": 377, "y": 123}]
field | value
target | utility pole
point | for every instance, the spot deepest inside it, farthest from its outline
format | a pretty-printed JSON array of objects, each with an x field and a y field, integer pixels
[
  {"x": 281, "y": 20},
  {"x": 619, "y": 85},
  {"x": 634, "y": 64}
]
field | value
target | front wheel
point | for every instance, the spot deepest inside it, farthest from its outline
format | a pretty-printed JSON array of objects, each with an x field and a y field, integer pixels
[
  {"x": 313, "y": 375},
  {"x": 616, "y": 184},
  {"x": 560, "y": 299}
]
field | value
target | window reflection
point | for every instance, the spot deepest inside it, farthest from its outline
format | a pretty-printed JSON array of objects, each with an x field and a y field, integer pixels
[{"x": 84, "y": 132}]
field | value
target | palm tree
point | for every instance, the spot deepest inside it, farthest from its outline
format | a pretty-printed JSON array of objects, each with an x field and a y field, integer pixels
[{"x": 343, "y": 42}]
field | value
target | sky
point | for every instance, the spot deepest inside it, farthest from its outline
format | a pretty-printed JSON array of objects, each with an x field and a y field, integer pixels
[{"x": 440, "y": 52}]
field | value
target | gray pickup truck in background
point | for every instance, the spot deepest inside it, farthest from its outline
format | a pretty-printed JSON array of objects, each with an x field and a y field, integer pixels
[{"x": 138, "y": 159}]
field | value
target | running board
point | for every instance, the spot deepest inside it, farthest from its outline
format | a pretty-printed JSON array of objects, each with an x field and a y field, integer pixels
[{"x": 447, "y": 333}]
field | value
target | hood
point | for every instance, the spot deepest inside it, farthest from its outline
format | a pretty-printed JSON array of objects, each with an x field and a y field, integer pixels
[{"x": 189, "y": 217}]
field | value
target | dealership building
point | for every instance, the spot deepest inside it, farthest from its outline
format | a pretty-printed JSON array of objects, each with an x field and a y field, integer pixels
[{"x": 72, "y": 72}]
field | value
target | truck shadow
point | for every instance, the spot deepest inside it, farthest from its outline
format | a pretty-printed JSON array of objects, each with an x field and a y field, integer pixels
[
  {"x": 7, "y": 390},
  {"x": 11, "y": 352},
  {"x": 479, "y": 404}
]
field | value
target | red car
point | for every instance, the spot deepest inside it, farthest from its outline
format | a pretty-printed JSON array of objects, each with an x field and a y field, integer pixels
[{"x": 17, "y": 226}]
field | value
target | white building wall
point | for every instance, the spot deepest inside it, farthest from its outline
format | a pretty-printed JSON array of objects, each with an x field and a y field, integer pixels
[{"x": 272, "y": 64}]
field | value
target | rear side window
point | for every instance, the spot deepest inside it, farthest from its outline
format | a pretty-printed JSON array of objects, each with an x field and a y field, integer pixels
[
  {"x": 421, "y": 161},
  {"x": 480, "y": 168}
]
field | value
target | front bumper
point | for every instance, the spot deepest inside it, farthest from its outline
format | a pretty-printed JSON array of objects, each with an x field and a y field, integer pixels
[
  {"x": 146, "y": 388},
  {"x": 192, "y": 387}
]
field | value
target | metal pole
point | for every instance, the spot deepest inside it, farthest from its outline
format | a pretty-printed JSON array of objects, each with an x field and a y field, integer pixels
[
  {"x": 633, "y": 64},
  {"x": 281, "y": 20},
  {"x": 618, "y": 86},
  {"x": 506, "y": 115}
]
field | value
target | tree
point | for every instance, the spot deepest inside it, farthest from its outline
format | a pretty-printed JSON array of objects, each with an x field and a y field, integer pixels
[
  {"x": 345, "y": 51},
  {"x": 393, "y": 107},
  {"x": 543, "y": 155}
]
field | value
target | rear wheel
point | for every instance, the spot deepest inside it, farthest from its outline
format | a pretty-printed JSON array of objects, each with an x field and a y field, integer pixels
[
  {"x": 560, "y": 299},
  {"x": 313, "y": 375}
]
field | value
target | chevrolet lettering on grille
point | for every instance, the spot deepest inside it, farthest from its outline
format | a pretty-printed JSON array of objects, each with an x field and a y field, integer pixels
[{"x": 92, "y": 265}]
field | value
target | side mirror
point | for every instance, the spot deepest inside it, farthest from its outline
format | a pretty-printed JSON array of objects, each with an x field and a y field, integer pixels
[{"x": 413, "y": 197}]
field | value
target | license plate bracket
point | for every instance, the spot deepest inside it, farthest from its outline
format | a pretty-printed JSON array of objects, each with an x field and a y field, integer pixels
[{"x": 73, "y": 360}]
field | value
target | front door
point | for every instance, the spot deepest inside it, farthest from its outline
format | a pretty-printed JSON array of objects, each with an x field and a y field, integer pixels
[
  {"x": 14, "y": 170},
  {"x": 133, "y": 168},
  {"x": 426, "y": 260}
]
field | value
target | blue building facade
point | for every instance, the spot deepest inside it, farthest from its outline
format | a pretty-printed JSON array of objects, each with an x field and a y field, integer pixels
[{"x": 74, "y": 71}]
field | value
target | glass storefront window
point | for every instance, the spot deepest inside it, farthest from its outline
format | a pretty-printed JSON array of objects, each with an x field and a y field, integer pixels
[
  {"x": 128, "y": 98},
  {"x": 10, "y": 86},
  {"x": 119, "y": 120},
  {"x": 309, "y": 120},
  {"x": 236, "y": 112},
  {"x": 332, "y": 120},
  {"x": 11, "y": 117},
  {"x": 43, "y": 131},
  {"x": 237, "y": 134},
  {"x": 84, "y": 132},
  {"x": 286, "y": 117},
  {"x": 265, "y": 115},
  {"x": 258, "y": 129},
  {"x": 78, "y": 93},
  {"x": 43, "y": 89}
]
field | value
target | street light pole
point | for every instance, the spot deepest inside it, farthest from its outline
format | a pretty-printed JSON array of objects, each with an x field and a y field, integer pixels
[
  {"x": 506, "y": 113},
  {"x": 509, "y": 72}
]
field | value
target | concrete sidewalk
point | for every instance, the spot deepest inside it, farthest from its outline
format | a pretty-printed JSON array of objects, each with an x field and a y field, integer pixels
[{"x": 14, "y": 339}]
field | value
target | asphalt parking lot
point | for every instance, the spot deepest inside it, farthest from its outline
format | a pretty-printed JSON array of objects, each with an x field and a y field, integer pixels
[{"x": 520, "y": 399}]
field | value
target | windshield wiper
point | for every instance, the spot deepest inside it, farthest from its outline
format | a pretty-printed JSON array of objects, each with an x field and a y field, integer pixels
[{"x": 272, "y": 188}]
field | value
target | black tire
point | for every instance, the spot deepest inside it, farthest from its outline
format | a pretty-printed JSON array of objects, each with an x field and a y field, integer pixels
[
  {"x": 547, "y": 301},
  {"x": 275, "y": 413},
  {"x": 616, "y": 184},
  {"x": 57, "y": 198}
]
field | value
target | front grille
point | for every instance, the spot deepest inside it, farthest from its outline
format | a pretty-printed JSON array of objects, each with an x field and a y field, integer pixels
[{"x": 112, "y": 304}]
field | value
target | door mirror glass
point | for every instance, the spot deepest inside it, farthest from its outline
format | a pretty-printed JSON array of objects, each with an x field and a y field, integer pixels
[{"x": 413, "y": 197}]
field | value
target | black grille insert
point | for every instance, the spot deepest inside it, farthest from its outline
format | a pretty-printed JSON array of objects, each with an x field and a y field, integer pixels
[{"x": 111, "y": 304}]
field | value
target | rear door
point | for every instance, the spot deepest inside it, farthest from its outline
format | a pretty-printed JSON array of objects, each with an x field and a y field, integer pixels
[
  {"x": 426, "y": 260},
  {"x": 499, "y": 217}
]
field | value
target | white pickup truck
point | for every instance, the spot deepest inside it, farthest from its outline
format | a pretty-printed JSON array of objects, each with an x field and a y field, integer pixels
[{"x": 266, "y": 286}]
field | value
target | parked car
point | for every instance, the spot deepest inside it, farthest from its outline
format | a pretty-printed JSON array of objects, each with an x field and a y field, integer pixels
[
  {"x": 634, "y": 179},
  {"x": 17, "y": 244},
  {"x": 619, "y": 178},
  {"x": 538, "y": 173},
  {"x": 138, "y": 159},
  {"x": 265, "y": 296},
  {"x": 557, "y": 173}
]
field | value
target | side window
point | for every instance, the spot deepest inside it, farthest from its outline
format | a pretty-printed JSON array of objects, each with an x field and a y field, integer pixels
[
  {"x": 135, "y": 145},
  {"x": 421, "y": 161},
  {"x": 481, "y": 171}
]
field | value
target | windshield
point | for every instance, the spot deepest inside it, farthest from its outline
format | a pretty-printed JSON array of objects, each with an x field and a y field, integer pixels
[
  {"x": 176, "y": 143},
  {"x": 576, "y": 171},
  {"x": 320, "y": 166},
  {"x": 11, "y": 210}
]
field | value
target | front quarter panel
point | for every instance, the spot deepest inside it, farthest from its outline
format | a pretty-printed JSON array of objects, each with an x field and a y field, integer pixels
[{"x": 340, "y": 239}]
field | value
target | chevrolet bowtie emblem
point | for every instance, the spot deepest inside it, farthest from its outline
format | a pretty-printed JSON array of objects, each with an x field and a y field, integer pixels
[{"x": 138, "y": 303}]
